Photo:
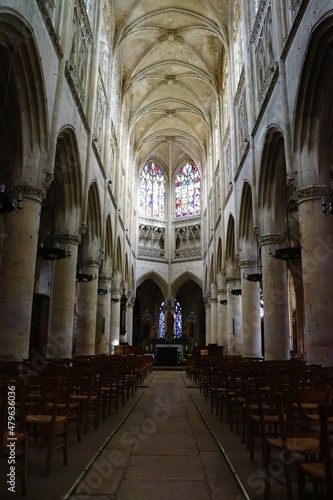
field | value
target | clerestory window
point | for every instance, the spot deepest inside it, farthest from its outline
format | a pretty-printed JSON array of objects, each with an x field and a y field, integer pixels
[
  {"x": 187, "y": 191},
  {"x": 152, "y": 191}
]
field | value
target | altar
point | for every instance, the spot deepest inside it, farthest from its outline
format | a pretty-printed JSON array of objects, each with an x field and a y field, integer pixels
[{"x": 166, "y": 353}]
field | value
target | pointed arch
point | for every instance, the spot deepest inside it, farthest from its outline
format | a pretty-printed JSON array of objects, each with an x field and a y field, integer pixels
[
  {"x": 156, "y": 278},
  {"x": 230, "y": 240},
  {"x": 314, "y": 115},
  {"x": 180, "y": 280}
]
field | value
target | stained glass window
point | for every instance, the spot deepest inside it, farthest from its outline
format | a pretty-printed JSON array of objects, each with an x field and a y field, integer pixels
[
  {"x": 152, "y": 191},
  {"x": 178, "y": 325},
  {"x": 161, "y": 321},
  {"x": 187, "y": 191},
  {"x": 178, "y": 320}
]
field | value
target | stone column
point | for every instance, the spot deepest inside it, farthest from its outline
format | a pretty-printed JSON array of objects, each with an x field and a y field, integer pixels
[
  {"x": 213, "y": 314},
  {"x": 18, "y": 274},
  {"x": 317, "y": 250},
  {"x": 275, "y": 293},
  {"x": 208, "y": 322},
  {"x": 62, "y": 300},
  {"x": 87, "y": 308},
  {"x": 115, "y": 319},
  {"x": 234, "y": 317},
  {"x": 222, "y": 319},
  {"x": 103, "y": 315},
  {"x": 251, "y": 323},
  {"x": 129, "y": 321}
]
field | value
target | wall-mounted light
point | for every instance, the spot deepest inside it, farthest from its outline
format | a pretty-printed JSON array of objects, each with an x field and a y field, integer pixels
[
  {"x": 327, "y": 203},
  {"x": 236, "y": 291},
  {"x": 52, "y": 253},
  {"x": 224, "y": 302},
  {"x": 8, "y": 204},
  {"x": 102, "y": 291}
]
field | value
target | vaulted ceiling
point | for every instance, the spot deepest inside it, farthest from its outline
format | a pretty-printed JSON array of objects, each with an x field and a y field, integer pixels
[{"x": 170, "y": 54}]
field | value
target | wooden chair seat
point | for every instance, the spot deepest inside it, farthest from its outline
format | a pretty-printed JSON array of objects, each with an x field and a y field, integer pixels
[
  {"x": 320, "y": 474},
  {"x": 44, "y": 416}
]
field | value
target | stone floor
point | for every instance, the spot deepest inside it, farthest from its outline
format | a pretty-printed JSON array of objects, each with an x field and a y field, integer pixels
[{"x": 163, "y": 445}]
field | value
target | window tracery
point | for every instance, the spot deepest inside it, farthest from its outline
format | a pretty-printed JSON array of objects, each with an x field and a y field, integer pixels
[
  {"x": 152, "y": 192},
  {"x": 187, "y": 191}
]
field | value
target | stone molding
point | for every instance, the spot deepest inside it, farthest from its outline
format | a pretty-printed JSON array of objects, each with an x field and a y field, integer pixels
[
  {"x": 91, "y": 262},
  {"x": 248, "y": 263},
  {"x": 261, "y": 13},
  {"x": 231, "y": 279},
  {"x": 310, "y": 193},
  {"x": 71, "y": 239},
  {"x": 33, "y": 193},
  {"x": 271, "y": 239},
  {"x": 50, "y": 28},
  {"x": 105, "y": 278}
]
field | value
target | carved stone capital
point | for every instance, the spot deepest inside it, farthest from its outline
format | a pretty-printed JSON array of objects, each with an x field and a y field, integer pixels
[
  {"x": 248, "y": 263},
  {"x": 275, "y": 239},
  {"x": 31, "y": 192},
  {"x": 310, "y": 193},
  {"x": 105, "y": 278},
  {"x": 91, "y": 262},
  {"x": 70, "y": 239},
  {"x": 231, "y": 279}
]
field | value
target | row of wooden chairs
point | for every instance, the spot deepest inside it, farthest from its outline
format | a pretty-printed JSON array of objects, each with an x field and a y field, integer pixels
[
  {"x": 268, "y": 401},
  {"x": 65, "y": 395}
]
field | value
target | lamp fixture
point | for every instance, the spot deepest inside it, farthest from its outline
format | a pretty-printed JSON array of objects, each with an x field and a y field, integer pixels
[
  {"x": 115, "y": 300},
  {"x": 102, "y": 291},
  {"x": 8, "y": 204},
  {"x": 224, "y": 302},
  {"x": 84, "y": 278},
  {"x": 288, "y": 253},
  {"x": 254, "y": 277},
  {"x": 236, "y": 291},
  {"x": 327, "y": 203},
  {"x": 52, "y": 253}
]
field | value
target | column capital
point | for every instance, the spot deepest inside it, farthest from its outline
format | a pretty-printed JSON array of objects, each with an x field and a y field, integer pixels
[
  {"x": 34, "y": 193},
  {"x": 91, "y": 262},
  {"x": 248, "y": 263},
  {"x": 72, "y": 239},
  {"x": 271, "y": 239},
  {"x": 105, "y": 277},
  {"x": 310, "y": 193},
  {"x": 231, "y": 279}
]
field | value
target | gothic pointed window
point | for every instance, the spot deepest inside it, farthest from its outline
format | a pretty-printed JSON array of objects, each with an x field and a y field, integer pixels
[
  {"x": 152, "y": 192},
  {"x": 178, "y": 324},
  {"x": 161, "y": 321},
  {"x": 178, "y": 320},
  {"x": 187, "y": 191}
]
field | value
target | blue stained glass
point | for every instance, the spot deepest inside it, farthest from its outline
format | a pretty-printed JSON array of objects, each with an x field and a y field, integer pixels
[{"x": 178, "y": 320}]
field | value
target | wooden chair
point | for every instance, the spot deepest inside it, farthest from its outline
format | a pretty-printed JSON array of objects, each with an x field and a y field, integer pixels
[
  {"x": 264, "y": 422},
  {"x": 86, "y": 392},
  {"x": 13, "y": 434},
  {"x": 320, "y": 473},
  {"x": 43, "y": 415},
  {"x": 65, "y": 405},
  {"x": 298, "y": 440}
]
